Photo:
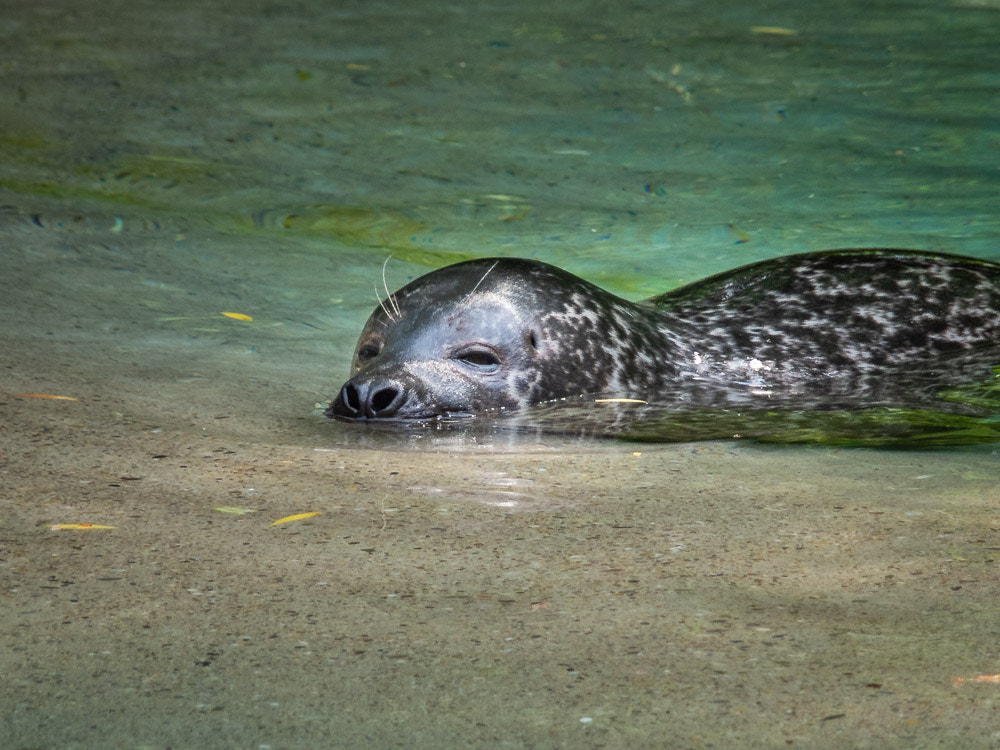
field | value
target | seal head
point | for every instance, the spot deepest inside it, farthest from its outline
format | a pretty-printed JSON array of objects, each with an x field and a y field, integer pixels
[{"x": 487, "y": 335}]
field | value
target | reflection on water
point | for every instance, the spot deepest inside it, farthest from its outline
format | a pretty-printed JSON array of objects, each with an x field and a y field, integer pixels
[
  {"x": 939, "y": 409},
  {"x": 956, "y": 416},
  {"x": 938, "y": 414}
]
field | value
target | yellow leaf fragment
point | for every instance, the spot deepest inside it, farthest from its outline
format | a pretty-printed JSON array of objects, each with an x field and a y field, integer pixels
[
  {"x": 47, "y": 395},
  {"x": 956, "y": 681},
  {"x": 505, "y": 198},
  {"x": 63, "y": 526},
  {"x": 775, "y": 30},
  {"x": 238, "y": 316},
  {"x": 296, "y": 517},
  {"x": 741, "y": 236}
]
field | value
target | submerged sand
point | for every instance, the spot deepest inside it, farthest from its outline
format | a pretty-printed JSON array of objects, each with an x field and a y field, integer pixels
[{"x": 492, "y": 593}]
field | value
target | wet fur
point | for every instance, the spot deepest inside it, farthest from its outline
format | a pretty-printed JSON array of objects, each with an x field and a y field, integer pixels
[{"x": 848, "y": 326}]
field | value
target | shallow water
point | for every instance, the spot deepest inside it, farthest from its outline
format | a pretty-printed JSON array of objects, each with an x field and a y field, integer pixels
[{"x": 161, "y": 164}]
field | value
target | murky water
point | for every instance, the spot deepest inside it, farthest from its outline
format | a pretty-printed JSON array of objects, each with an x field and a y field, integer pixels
[{"x": 164, "y": 164}]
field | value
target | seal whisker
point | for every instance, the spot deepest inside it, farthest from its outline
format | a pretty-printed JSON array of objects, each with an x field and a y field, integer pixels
[
  {"x": 382, "y": 304},
  {"x": 388, "y": 294},
  {"x": 483, "y": 278}
]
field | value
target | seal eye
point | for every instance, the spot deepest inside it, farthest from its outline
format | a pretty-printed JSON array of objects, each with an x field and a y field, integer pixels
[
  {"x": 479, "y": 359},
  {"x": 366, "y": 352}
]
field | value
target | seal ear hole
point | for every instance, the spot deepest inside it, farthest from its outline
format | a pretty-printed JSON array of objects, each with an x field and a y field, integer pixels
[{"x": 532, "y": 340}]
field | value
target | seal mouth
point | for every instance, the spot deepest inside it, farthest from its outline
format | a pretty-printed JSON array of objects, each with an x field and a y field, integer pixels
[{"x": 416, "y": 419}]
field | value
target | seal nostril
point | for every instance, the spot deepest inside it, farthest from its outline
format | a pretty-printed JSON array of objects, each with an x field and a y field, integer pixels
[
  {"x": 351, "y": 398},
  {"x": 363, "y": 400},
  {"x": 383, "y": 399}
]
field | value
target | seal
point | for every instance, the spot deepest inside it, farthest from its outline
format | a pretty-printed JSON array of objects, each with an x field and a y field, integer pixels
[{"x": 838, "y": 327}]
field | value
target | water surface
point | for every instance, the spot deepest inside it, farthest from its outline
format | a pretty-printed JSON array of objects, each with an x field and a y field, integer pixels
[{"x": 162, "y": 164}]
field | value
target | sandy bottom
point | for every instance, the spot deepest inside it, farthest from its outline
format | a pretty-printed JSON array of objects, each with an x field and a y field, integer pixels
[{"x": 453, "y": 594}]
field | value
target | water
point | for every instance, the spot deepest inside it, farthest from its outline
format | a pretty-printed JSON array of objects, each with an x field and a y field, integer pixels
[{"x": 161, "y": 164}]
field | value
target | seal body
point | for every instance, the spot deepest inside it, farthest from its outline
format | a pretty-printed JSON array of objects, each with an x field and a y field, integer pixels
[{"x": 839, "y": 327}]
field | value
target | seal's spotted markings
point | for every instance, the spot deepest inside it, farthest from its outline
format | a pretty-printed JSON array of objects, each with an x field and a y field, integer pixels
[{"x": 847, "y": 326}]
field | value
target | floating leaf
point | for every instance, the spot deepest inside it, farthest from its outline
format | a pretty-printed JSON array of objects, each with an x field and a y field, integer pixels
[
  {"x": 238, "y": 316},
  {"x": 62, "y": 526},
  {"x": 296, "y": 517}
]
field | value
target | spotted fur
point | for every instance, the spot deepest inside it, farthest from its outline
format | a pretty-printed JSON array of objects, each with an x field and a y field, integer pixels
[{"x": 848, "y": 326}]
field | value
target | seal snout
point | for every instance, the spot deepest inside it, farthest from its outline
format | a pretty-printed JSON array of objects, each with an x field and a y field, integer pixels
[{"x": 368, "y": 400}]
